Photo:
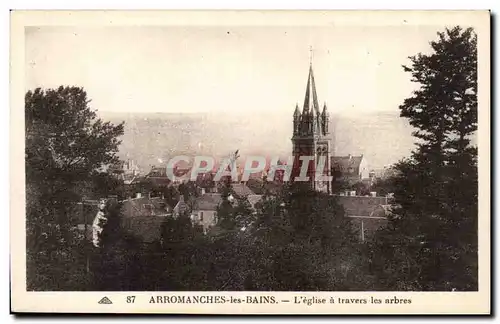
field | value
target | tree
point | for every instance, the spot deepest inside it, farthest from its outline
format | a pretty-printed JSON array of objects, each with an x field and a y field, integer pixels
[
  {"x": 301, "y": 241},
  {"x": 65, "y": 144},
  {"x": 103, "y": 184},
  {"x": 77, "y": 142},
  {"x": 431, "y": 243}
]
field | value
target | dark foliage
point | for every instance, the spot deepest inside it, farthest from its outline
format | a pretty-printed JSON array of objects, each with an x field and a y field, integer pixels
[
  {"x": 431, "y": 242},
  {"x": 65, "y": 145}
]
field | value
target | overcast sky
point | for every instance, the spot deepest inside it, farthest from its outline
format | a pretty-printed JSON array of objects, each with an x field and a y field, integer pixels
[{"x": 196, "y": 69}]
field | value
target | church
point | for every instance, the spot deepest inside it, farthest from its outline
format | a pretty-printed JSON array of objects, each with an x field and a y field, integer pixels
[{"x": 312, "y": 137}]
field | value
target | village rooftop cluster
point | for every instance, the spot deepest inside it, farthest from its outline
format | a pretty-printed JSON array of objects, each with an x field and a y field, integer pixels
[{"x": 252, "y": 165}]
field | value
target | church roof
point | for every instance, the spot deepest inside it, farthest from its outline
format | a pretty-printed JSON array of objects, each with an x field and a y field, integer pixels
[{"x": 311, "y": 98}]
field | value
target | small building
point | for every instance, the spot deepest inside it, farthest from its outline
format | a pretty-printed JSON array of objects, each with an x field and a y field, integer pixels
[
  {"x": 145, "y": 206},
  {"x": 130, "y": 167},
  {"x": 204, "y": 211},
  {"x": 143, "y": 217},
  {"x": 157, "y": 177},
  {"x": 180, "y": 208},
  {"x": 123, "y": 170},
  {"x": 351, "y": 169}
]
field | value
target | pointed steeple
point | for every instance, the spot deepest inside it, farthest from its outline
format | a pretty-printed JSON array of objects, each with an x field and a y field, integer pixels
[
  {"x": 311, "y": 98},
  {"x": 325, "y": 119},
  {"x": 297, "y": 111},
  {"x": 296, "y": 120}
]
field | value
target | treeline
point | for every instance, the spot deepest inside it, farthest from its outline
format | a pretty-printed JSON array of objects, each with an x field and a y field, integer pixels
[
  {"x": 432, "y": 243},
  {"x": 297, "y": 240}
]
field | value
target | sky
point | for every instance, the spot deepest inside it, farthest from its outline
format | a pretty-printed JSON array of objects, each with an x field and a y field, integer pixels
[{"x": 236, "y": 69}]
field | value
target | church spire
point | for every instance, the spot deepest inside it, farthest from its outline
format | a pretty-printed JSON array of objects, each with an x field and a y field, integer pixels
[
  {"x": 311, "y": 98},
  {"x": 297, "y": 111},
  {"x": 325, "y": 119}
]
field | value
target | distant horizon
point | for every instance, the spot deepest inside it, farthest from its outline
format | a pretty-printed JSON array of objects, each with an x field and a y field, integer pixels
[
  {"x": 382, "y": 137},
  {"x": 235, "y": 113}
]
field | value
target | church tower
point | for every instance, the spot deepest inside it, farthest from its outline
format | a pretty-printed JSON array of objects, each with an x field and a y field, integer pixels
[{"x": 311, "y": 137}]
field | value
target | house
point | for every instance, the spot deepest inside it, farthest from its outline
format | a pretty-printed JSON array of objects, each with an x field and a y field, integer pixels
[
  {"x": 350, "y": 168},
  {"x": 180, "y": 208},
  {"x": 129, "y": 167},
  {"x": 124, "y": 170},
  {"x": 367, "y": 214},
  {"x": 157, "y": 177},
  {"x": 145, "y": 206},
  {"x": 143, "y": 216},
  {"x": 204, "y": 210}
]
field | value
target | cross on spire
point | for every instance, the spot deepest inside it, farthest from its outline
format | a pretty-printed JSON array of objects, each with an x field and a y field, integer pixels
[{"x": 310, "y": 55}]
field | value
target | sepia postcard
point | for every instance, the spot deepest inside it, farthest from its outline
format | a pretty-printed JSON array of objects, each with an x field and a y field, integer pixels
[{"x": 250, "y": 162}]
